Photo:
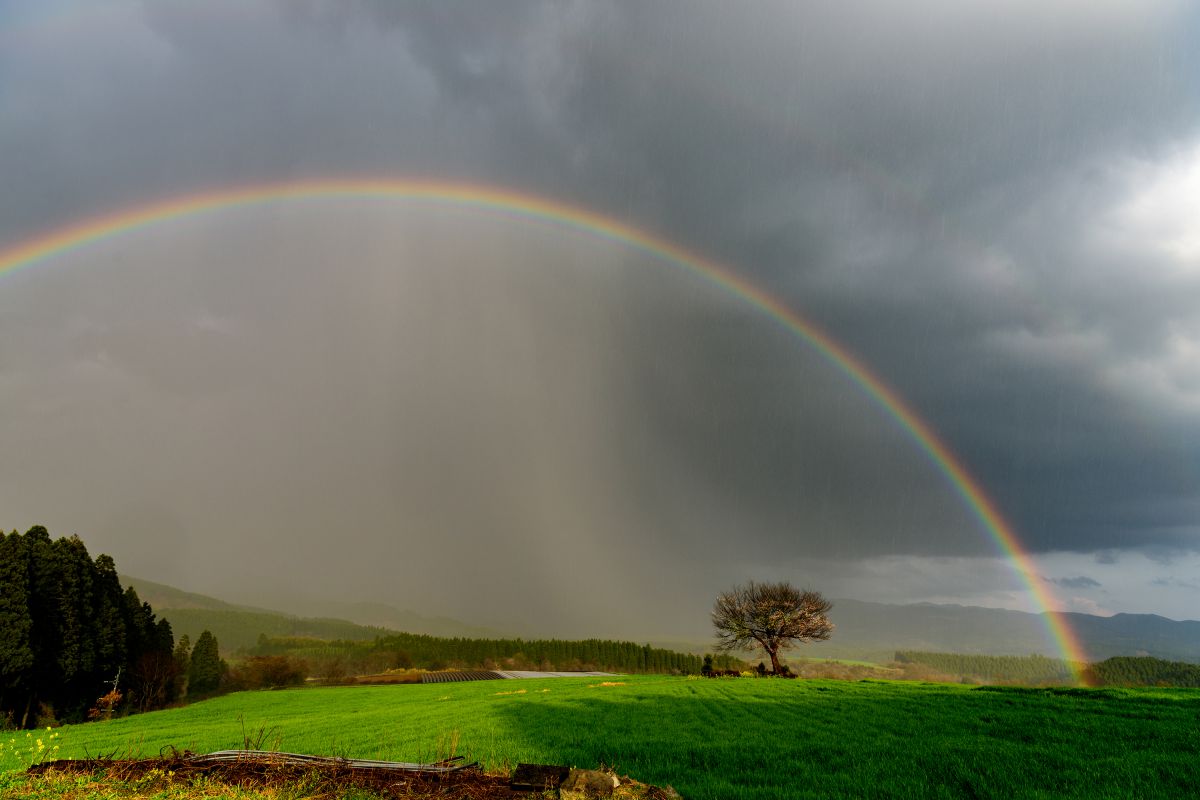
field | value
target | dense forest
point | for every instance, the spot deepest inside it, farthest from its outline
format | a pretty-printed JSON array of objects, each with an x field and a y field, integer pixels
[
  {"x": 408, "y": 650},
  {"x": 1143, "y": 671},
  {"x": 73, "y": 642},
  {"x": 1028, "y": 670}
]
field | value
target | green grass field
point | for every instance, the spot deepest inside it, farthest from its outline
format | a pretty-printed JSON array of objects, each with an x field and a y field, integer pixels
[{"x": 720, "y": 739}]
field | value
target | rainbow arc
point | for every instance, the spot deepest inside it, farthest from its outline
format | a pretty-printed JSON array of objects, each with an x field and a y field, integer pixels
[{"x": 81, "y": 234}]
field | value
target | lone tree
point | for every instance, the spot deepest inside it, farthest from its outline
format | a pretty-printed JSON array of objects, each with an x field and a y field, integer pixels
[{"x": 772, "y": 616}]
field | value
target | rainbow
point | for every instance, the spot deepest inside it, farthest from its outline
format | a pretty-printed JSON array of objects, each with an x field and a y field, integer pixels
[{"x": 75, "y": 236}]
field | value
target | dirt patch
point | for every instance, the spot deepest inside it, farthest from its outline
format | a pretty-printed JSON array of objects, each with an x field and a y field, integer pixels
[{"x": 331, "y": 780}]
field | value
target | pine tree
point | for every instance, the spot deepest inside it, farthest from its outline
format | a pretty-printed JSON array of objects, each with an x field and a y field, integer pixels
[
  {"x": 45, "y": 592},
  {"x": 76, "y": 621},
  {"x": 204, "y": 672},
  {"x": 183, "y": 662},
  {"x": 164, "y": 673},
  {"x": 149, "y": 647},
  {"x": 110, "y": 622},
  {"x": 16, "y": 623}
]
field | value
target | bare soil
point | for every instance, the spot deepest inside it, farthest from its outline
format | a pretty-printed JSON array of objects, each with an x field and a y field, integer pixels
[{"x": 322, "y": 780}]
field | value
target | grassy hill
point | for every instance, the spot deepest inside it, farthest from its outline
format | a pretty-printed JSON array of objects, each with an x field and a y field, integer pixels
[{"x": 726, "y": 739}]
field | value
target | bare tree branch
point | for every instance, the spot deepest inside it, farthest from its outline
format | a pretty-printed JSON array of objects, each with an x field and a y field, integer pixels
[{"x": 770, "y": 616}]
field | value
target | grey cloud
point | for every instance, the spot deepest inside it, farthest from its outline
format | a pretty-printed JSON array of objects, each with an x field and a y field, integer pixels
[
  {"x": 1168, "y": 554},
  {"x": 1080, "y": 582},
  {"x": 1176, "y": 583}
]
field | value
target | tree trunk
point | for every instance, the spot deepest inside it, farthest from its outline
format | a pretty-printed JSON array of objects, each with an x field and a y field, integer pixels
[{"x": 774, "y": 654}]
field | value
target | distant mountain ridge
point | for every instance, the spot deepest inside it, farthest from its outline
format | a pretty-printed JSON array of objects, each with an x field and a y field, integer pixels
[{"x": 878, "y": 628}]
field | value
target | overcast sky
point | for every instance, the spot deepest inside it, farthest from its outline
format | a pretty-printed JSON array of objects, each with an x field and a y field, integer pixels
[{"x": 993, "y": 205}]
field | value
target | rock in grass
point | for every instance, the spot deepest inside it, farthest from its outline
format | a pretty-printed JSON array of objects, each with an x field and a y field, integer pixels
[
  {"x": 587, "y": 784},
  {"x": 535, "y": 777},
  {"x": 640, "y": 791}
]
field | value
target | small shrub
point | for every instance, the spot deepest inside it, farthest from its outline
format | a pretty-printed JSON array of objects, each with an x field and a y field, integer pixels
[
  {"x": 46, "y": 718},
  {"x": 268, "y": 672},
  {"x": 723, "y": 673},
  {"x": 105, "y": 706}
]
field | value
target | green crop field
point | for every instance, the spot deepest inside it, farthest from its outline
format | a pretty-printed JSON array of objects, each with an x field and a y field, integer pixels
[{"x": 722, "y": 739}]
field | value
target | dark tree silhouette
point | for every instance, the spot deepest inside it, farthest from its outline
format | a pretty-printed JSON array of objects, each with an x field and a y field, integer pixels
[
  {"x": 16, "y": 623},
  {"x": 183, "y": 663},
  {"x": 770, "y": 616},
  {"x": 204, "y": 674},
  {"x": 111, "y": 641},
  {"x": 69, "y": 634}
]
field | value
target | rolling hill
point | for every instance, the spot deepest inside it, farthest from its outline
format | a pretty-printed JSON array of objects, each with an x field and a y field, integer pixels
[{"x": 237, "y": 627}]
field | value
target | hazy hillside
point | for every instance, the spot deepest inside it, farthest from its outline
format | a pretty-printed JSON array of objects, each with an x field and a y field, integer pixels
[
  {"x": 236, "y": 629},
  {"x": 386, "y": 616},
  {"x": 873, "y": 631},
  {"x": 160, "y": 595},
  {"x": 237, "y": 626}
]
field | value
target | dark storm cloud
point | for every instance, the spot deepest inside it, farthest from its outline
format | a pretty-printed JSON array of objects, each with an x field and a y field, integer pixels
[
  {"x": 956, "y": 192},
  {"x": 941, "y": 190},
  {"x": 829, "y": 156}
]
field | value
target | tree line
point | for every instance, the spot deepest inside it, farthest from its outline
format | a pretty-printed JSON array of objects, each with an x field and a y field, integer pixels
[
  {"x": 1143, "y": 671},
  {"x": 420, "y": 651},
  {"x": 1032, "y": 669},
  {"x": 75, "y": 644}
]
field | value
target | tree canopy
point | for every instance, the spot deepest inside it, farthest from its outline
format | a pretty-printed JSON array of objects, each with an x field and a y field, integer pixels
[{"x": 769, "y": 616}]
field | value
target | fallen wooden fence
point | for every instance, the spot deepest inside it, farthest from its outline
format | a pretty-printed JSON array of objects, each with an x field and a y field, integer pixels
[{"x": 299, "y": 759}]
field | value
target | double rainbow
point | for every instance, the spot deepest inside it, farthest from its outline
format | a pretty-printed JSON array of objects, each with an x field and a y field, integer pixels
[{"x": 78, "y": 235}]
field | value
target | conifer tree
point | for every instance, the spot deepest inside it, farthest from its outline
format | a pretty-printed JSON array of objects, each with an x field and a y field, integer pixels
[
  {"x": 76, "y": 655},
  {"x": 204, "y": 673},
  {"x": 45, "y": 590},
  {"x": 16, "y": 624},
  {"x": 110, "y": 621},
  {"x": 183, "y": 663}
]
